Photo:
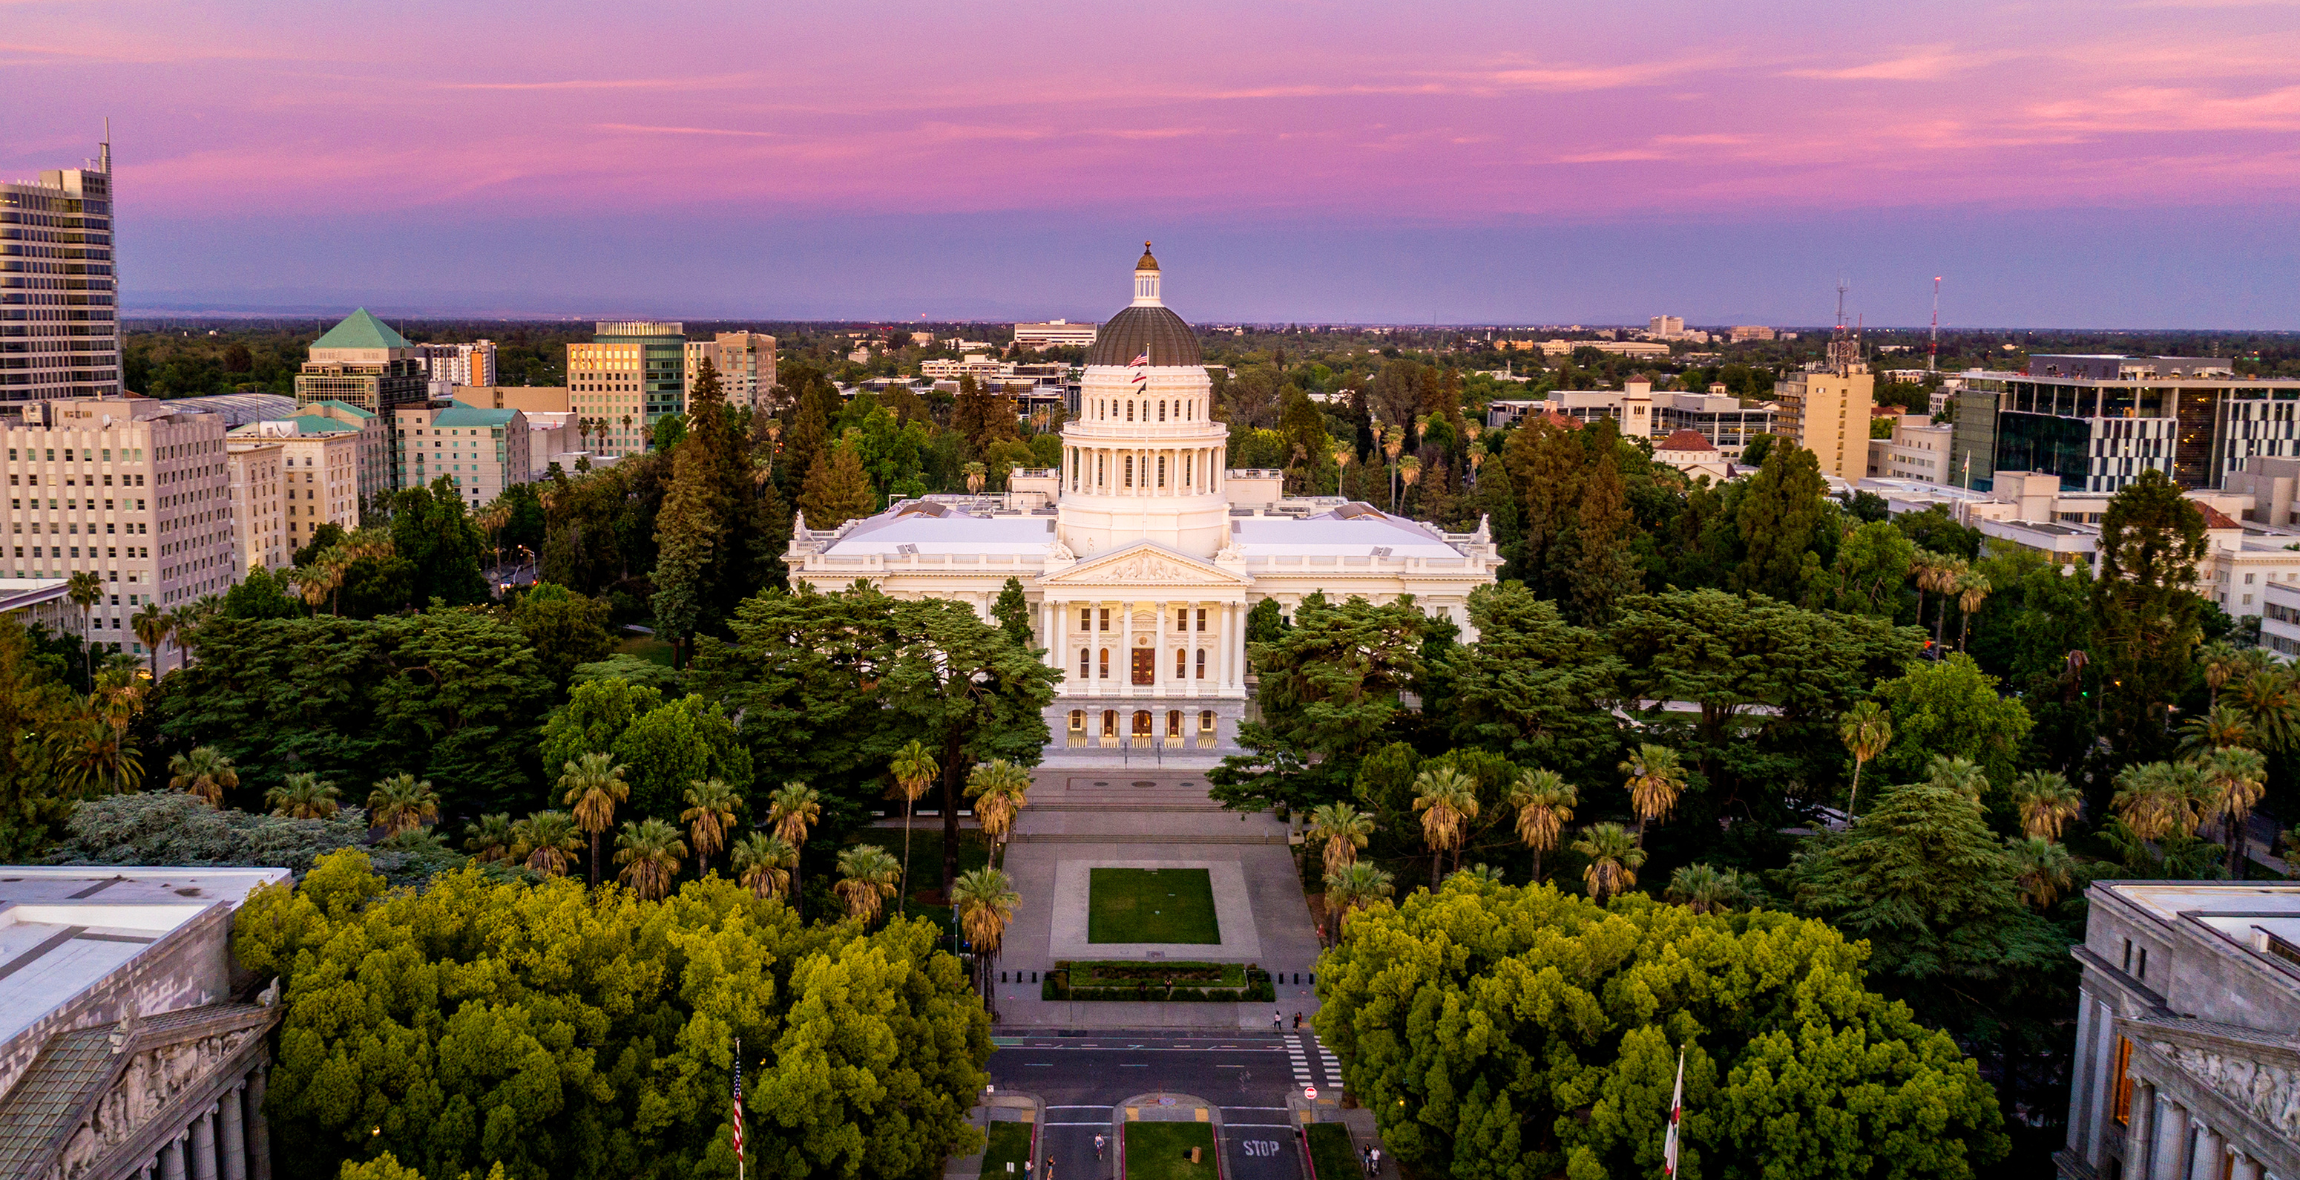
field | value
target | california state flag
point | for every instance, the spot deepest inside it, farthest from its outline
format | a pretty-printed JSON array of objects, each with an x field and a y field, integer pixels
[{"x": 1676, "y": 1115}]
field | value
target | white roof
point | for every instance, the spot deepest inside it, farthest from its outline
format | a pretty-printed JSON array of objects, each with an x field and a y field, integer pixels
[
  {"x": 935, "y": 528},
  {"x": 64, "y": 929},
  {"x": 1353, "y": 530}
]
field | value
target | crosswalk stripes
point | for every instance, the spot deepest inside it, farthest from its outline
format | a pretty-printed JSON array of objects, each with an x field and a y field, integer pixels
[
  {"x": 1298, "y": 1058},
  {"x": 1333, "y": 1066}
]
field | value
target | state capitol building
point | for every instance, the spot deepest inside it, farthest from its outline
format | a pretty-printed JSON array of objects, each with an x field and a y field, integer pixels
[{"x": 1143, "y": 553}]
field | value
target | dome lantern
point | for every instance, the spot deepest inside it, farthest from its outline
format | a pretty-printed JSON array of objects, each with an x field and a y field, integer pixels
[{"x": 1146, "y": 280}]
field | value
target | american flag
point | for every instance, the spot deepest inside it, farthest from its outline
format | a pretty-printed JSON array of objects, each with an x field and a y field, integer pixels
[
  {"x": 1139, "y": 361},
  {"x": 738, "y": 1103},
  {"x": 1676, "y": 1115}
]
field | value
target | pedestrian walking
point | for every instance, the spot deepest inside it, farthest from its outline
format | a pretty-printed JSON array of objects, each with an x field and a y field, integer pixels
[
  {"x": 1297, "y": 1022},
  {"x": 1377, "y": 1158},
  {"x": 1277, "y": 1022},
  {"x": 1049, "y": 1168}
]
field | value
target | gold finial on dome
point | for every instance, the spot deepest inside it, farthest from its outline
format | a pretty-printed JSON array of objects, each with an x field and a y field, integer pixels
[{"x": 1147, "y": 263}]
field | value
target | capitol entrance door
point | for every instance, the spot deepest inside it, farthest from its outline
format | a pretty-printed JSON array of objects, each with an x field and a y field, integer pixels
[{"x": 1145, "y": 666}]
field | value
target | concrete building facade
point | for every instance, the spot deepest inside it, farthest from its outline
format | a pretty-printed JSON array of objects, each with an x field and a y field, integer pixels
[
  {"x": 450, "y": 365},
  {"x": 259, "y": 527},
  {"x": 2186, "y": 1067},
  {"x": 136, "y": 491},
  {"x": 746, "y": 366},
  {"x": 1826, "y": 411},
  {"x": 480, "y": 451},
  {"x": 59, "y": 290},
  {"x": 1054, "y": 334},
  {"x": 323, "y": 464}
]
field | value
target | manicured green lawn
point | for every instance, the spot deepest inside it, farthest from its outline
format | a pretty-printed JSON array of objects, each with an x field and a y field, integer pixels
[
  {"x": 1161, "y": 1151},
  {"x": 647, "y": 647},
  {"x": 1151, "y": 905},
  {"x": 1009, "y": 1144},
  {"x": 1331, "y": 1155}
]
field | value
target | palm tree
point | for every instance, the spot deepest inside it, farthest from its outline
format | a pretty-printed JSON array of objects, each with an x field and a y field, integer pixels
[
  {"x": 85, "y": 590},
  {"x": 975, "y": 474},
  {"x": 793, "y": 810},
  {"x": 2222, "y": 725},
  {"x": 1962, "y": 775},
  {"x": 1356, "y": 886},
  {"x": 710, "y": 816},
  {"x": 2221, "y": 664},
  {"x": 1482, "y": 874},
  {"x": 867, "y": 875},
  {"x": 1972, "y": 590},
  {"x": 2154, "y": 800},
  {"x": 152, "y": 627},
  {"x": 2046, "y": 802},
  {"x": 1866, "y": 730},
  {"x": 2233, "y": 779},
  {"x": 2042, "y": 867},
  {"x": 593, "y": 785},
  {"x": 1344, "y": 829},
  {"x": 1656, "y": 779},
  {"x": 1613, "y": 860},
  {"x": 1000, "y": 789},
  {"x": 914, "y": 771},
  {"x": 95, "y": 757},
  {"x": 763, "y": 863},
  {"x": 402, "y": 803},
  {"x": 984, "y": 899},
  {"x": 1941, "y": 577},
  {"x": 204, "y": 772},
  {"x": 649, "y": 851},
  {"x": 1704, "y": 889},
  {"x": 303, "y": 796},
  {"x": 491, "y": 839},
  {"x": 546, "y": 841},
  {"x": 1447, "y": 799},
  {"x": 2271, "y": 698},
  {"x": 1545, "y": 803},
  {"x": 1921, "y": 565}
]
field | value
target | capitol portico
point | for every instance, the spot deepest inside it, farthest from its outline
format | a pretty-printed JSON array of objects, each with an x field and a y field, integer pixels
[{"x": 1143, "y": 552}]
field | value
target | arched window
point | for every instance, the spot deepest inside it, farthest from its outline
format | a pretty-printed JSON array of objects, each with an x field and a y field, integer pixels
[
  {"x": 1129, "y": 471},
  {"x": 1084, "y": 669},
  {"x": 1174, "y": 723},
  {"x": 1161, "y": 471},
  {"x": 1141, "y": 723},
  {"x": 1201, "y": 663},
  {"x": 1129, "y": 409},
  {"x": 1105, "y": 664},
  {"x": 1161, "y": 409},
  {"x": 1181, "y": 662}
]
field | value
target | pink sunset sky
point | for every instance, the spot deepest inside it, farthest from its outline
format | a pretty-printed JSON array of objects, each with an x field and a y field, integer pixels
[{"x": 1477, "y": 161}]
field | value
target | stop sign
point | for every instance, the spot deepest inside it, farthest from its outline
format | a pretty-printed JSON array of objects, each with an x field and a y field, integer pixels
[{"x": 1310, "y": 1093}]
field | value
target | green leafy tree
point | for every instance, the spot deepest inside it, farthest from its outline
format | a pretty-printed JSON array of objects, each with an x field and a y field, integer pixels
[
  {"x": 837, "y": 490},
  {"x": 1330, "y": 688},
  {"x": 434, "y": 534},
  {"x": 262, "y": 594},
  {"x": 1351, "y": 888},
  {"x": 595, "y": 717},
  {"x": 1533, "y": 687},
  {"x": 1951, "y": 708},
  {"x": 673, "y": 745},
  {"x": 1503, "y": 1031},
  {"x": 565, "y": 629},
  {"x": 1871, "y": 567},
  {"x": 1603, "y": 568},
  {"x": 1778, "y": 517},
  {"x": 863, "y": 1049}
]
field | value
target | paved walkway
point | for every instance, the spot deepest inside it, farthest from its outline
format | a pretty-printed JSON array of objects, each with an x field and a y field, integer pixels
[{"x": 1080, "y": 817}]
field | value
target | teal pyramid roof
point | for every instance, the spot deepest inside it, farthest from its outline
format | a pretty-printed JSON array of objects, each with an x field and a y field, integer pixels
[{"x": 361, "y": 330}]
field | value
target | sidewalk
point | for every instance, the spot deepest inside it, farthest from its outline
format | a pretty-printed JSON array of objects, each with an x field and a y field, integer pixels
[{"x": 1012, "y": 1106}]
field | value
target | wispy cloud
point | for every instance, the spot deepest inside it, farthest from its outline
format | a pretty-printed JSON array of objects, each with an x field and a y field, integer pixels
[
  {"x": 713, "y": 82},
  {"x": 655, "y": 130},
  {"x": 1923, "y": 63}
]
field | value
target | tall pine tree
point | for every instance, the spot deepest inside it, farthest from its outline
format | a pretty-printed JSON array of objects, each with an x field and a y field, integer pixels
[
  {"x": 837, "y": 490},
  {"x": 1603, "y": 569}
]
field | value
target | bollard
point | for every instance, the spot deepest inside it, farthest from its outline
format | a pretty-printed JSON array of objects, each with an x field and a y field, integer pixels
[{"x": 1194, "y": 1154}]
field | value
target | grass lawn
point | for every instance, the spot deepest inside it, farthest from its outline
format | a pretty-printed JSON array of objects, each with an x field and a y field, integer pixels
[
  {"x": 1331, "y": 1155},
  {"x": 646, "y": 647},
  {"x": 1161, "y": 1151},
  {"x": 1009, "y": 1144},
  {"x": 1151, "y": 905}
]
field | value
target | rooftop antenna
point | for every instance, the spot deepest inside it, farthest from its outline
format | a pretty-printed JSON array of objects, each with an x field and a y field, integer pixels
[
  {"x": 1933, "y": 352},
  {"x": 104, "y": 152}
]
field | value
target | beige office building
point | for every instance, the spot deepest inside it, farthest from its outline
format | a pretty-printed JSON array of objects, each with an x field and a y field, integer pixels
[
  {"x": 746, "y": 364},
  {"x": 322, "y": 465},
  {"x": 259, "y": 528},
  {"x": 1826, "y": 411},
  {"x": 135, "y": 491},
  {"x": 480, "y": 451},
  {"x": 534, "y": 399}
]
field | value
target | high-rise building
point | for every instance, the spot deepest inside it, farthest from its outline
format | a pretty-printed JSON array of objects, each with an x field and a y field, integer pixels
[
  {"x": 133, "y": 490},
  {"x": 746, "y": 366},
  {"x": 1825, "y": 409},
  {"x": 259, "y": 528},
  {"x": 631, "y": 374},
  {"x": 363, "y": 362},
  {"x": 458, "y": 364},
  {"x": 59, "y": 293}
]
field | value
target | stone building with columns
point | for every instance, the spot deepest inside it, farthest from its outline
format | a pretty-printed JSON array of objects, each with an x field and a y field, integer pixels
[
  {"x": 2188, "y": 1033},
  {"x": 1143, "y": 552},
  {"x": 134, "y": 1048}
]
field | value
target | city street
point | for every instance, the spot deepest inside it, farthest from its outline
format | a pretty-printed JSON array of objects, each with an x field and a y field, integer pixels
[{"x": 1246, "y": 1076}]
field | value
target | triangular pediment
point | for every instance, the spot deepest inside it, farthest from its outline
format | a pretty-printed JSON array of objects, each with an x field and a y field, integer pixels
[{"x": 1146, "y": 564}]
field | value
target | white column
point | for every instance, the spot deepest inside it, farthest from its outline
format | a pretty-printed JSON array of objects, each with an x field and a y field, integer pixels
[
  {"x": 2141, "y": 1131},
  {"x": 1230, "y": 649},
  {"x": 235, "y": 1141},
  {"x": 172, "y": 1159},
  {"x": 2243, "y": 1167},
  {"x": 2168, "y": 1159},
  {"x": 259, "y": 1131},
  {"x": 2211, "y": 1154},
  {"x": 1158, "y": 654},
  {"x": 204, "y": 1145}
]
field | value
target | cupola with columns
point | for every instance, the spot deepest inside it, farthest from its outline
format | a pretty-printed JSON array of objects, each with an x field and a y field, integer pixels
[{"x": 1143, "y": 460}]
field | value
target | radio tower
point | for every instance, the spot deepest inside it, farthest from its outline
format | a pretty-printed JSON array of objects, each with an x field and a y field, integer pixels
[{"x": 1933, "y": 353}]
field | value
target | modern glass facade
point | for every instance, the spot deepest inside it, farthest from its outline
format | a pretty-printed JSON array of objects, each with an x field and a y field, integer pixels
[
  {"x": 59, "y": 306},
  {"x": 2099, "y": 435}
]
